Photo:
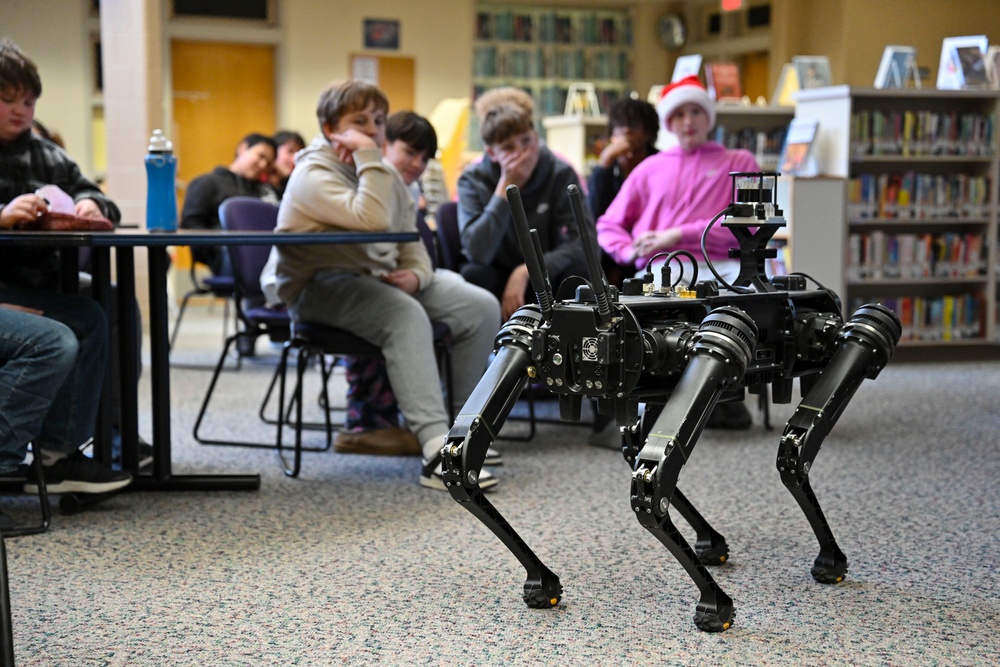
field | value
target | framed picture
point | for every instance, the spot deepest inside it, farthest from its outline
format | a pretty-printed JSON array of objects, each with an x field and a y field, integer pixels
[
  {"x": 950, "y": 75},
  {"x": 686, "y": 66},
  {"x": 896, "y": 66},
  {"x": 813, "y": 71},
  {"x": 797, "y": 153},
  {"x": 993, "y": 66},
  {"x": 381, "y": 34}
]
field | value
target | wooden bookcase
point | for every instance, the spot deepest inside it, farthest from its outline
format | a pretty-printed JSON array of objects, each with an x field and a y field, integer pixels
[{"x": 917, "y": 221}]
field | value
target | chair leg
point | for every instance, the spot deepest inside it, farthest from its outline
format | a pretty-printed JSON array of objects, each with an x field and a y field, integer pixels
[
  {"x": 43, "y": 502},
  {"x": 180, "y": 316},
  {"x": 296, "y": 467},
  {"x": 6, "y": 623}
]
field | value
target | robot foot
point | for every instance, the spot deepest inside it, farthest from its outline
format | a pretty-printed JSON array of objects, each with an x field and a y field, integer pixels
[
  {"x": 828, "y": 571},
  {"x": 544, "y": 594},
  {"x": 714, "y": 617},
  {"x": 712, "y": 554}
]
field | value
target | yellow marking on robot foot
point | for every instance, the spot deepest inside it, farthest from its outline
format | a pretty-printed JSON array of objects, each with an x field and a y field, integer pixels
[
  {"x": 725, "y": 626},
  {"x": 554, "y": 601},
  {"x": 722, "y": 559}
]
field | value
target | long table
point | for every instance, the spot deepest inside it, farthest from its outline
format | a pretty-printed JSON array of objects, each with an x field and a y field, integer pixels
[{"x": 124, "y": 241}]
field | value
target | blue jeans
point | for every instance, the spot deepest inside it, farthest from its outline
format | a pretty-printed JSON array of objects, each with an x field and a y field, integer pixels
[{"x": 70, "y": 416}]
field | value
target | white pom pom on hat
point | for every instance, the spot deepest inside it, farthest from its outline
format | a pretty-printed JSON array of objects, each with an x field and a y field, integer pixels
[{"x": 686, "y": 90}]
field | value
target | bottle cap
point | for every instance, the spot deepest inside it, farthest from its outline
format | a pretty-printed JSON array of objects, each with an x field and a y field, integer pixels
[{"x": 159, "y": 143}]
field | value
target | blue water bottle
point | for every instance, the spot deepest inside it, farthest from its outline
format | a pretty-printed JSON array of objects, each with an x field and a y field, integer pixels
[{"x": 161, "y": 172}]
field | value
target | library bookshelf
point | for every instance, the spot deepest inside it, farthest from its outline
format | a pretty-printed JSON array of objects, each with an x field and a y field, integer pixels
[{"x": 915, "y": 223}]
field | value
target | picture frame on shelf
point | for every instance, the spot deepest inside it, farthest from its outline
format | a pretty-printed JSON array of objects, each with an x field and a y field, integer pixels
[
  {"x": 797, "y": 157},
  {"x": 689, "y": 65},
  {"x": 950, "y": 74},
  {"x": 723, "y": 82},
  {"x": 788, "y": 83},
  {"x": 896, "y": 67},
  {"x": 993, "y": 66},
  {"x": 812, "y": 71}
]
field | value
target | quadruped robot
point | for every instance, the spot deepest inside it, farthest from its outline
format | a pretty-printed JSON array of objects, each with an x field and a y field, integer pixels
[{"x": 684, "y": 349}]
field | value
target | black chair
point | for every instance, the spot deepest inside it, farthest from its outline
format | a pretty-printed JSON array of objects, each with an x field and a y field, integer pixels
[
  {"x": 256, "y": 319},
  {"x": 449, "y": 239},
  {"x": 219, "y": 287},
  {"x": 313, "y": 340}
]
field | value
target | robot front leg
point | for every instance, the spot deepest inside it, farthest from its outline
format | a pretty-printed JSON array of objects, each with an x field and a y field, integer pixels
[
  {"x": 719, "y": 358},
  {"x": 864, "y": 346},
  {"x": 464, "y": 452}
]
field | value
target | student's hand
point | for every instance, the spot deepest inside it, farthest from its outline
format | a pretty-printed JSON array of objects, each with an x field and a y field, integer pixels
[
  {"x": 24, "y": 208},
  {"x": 23, "y": 309},
  {"x": 404, "y": 279},
  {"x": 88, "y": 208},
  {"x": 515, "y": 169},
  {"x": 650, "y": 242},
  {"x": 513, "y": 293},
  {"x": 616, "y": 148},
  {"x": 345, "y": 143}
]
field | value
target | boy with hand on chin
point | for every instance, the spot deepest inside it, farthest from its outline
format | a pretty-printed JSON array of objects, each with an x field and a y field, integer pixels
[{"x": 340, "y": 183}]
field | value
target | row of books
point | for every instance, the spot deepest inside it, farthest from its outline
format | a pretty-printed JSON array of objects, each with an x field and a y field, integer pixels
[
  {"x": 912, "y": 196},
  {"x": 922, "y": 133},
  {"x": 550, "y": 63},
  {"x": 765, "y": 145},
  {"x": 880, "y": 255},
  {"x": 944, "y": 318},
  {"x": 550, "y": 100},
  {"x": 613, "y": 28}
]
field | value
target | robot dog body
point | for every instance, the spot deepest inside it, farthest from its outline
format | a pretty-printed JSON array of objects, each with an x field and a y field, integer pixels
[{"x": 686, "y": 350}]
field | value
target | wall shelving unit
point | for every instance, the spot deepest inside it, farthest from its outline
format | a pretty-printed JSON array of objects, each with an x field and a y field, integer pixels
[
  {"x": 544, "y": 50},
  {"x": 916, "y": 226}
]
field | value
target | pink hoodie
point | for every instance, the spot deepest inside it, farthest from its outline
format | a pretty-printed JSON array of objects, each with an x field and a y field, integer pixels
[{"x": 675, "y": 189}]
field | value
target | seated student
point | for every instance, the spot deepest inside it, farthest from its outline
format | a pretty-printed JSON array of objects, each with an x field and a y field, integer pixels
[
  {"x": 242, "y": 178},
  {"x": 288, "y": 143},
  {"x": 50, "y": 385},
  {"x": 489, "y": 240},
  {"x": 29, "y": 277},
  {"x": 669, "y": 199},
  {"x": 632, "y": 128},
  {"x": 341, "y": 183},
  {"x": 373, "y": 420}
]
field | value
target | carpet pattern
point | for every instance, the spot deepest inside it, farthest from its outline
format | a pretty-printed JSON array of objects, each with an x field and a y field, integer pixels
[{"x": 355, "y": 564}]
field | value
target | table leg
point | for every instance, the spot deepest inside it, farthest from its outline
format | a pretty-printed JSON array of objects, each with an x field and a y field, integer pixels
[{"x": 162, "y": 478}]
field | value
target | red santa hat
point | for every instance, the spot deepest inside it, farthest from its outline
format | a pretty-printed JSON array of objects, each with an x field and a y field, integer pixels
[{"x": 684, "y": 91}]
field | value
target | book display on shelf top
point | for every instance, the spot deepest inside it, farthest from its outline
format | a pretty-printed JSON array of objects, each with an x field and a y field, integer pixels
[
  {"x": 797, "y": 153},
  {"x": 689, "y": 65},
  {"x": 993, "y": 66},
  {"x": 723, "y": 81},
  {"x": 812, "y": 71},
  {"x": 961, "y": 58},
  {"x": 788, "y": 83},
  {"x": 897, "y": 66},
  {"x": 919, "y": 217}
]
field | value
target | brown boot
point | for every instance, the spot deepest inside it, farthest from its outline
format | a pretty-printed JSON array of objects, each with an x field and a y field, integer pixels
[{"x": 378, "y": 442}]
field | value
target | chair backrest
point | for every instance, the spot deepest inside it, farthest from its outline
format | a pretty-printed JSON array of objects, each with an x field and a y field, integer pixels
[
  {"x": 449, "y": 239},
  {"x": 244, "y": 214},
  {"x": 428, "y": 236}
]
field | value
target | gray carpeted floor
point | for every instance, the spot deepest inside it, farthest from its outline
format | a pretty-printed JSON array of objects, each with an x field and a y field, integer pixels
[{"x": 355, "y": 564}]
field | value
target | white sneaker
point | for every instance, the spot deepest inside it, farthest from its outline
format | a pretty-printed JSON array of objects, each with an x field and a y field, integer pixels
[
  {"x": 432, "y": 478},
  {"x": 493, "y": 458}
]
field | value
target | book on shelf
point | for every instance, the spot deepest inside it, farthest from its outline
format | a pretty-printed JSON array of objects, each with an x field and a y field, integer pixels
[
  {"x": 896, "y": 67},
  {"x": 812, "y": 71},
  {"x": 723, "y": 81},
  {"x": 951, "y": 75},
  {"x": 788, "y": 83},
  {"x": 689, "y": 65},
  {"x": 993, "y": 66},
  {"x": 797, "y": 154}
]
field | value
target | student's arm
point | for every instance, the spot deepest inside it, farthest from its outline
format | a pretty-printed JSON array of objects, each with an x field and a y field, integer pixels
[
  {"x": 197, "y": 212},
  {"x": 483, "y": 217},
  {"x": 614, "y": 228},
  {"x": 89, "y": 199},
  {"x": 324, "y": 194}
]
